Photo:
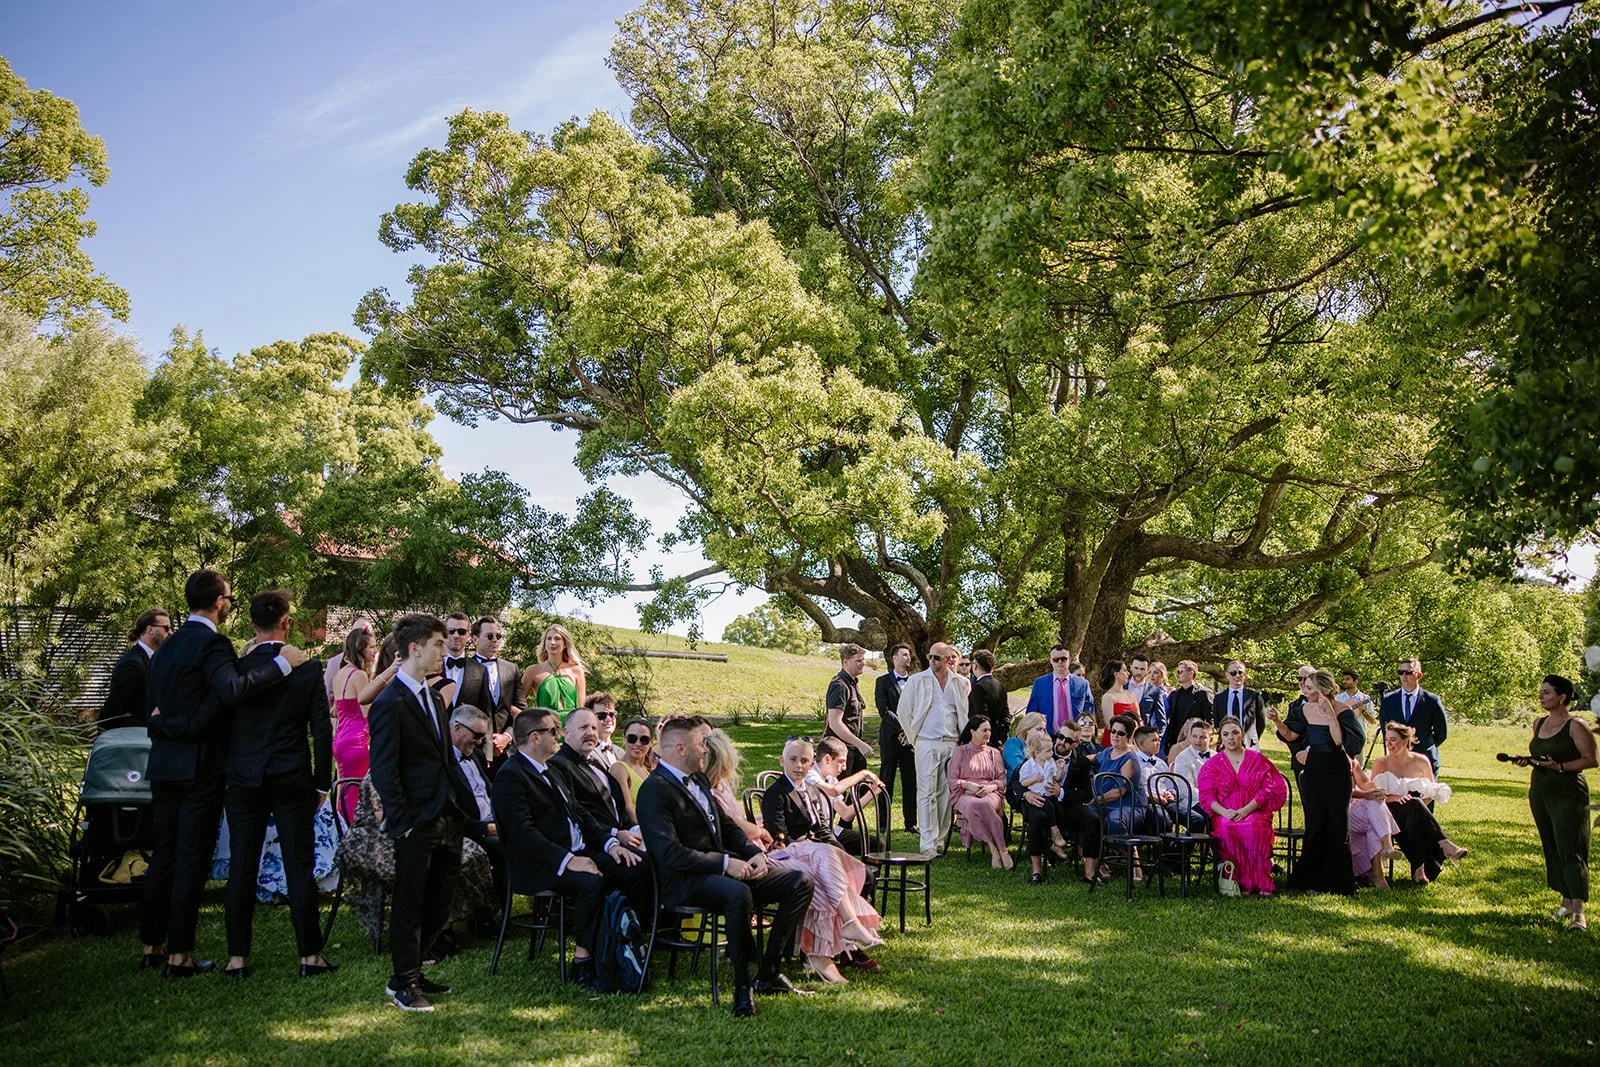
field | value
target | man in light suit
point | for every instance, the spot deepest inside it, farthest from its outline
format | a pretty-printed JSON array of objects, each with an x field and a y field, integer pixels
[
  {"x": 1421, "y": 710},
  {"x": 933, "y": 708},
  {"x": 1060, "y": 696}
]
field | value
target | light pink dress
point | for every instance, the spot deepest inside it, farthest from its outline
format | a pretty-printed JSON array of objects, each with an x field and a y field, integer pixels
[
  {"x": 982, "y": 818},
  {"x": 1369, "y": 822},
  {"x": 1247, "y": 842}
]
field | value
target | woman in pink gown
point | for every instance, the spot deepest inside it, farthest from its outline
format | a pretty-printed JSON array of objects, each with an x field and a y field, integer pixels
[
  {"x": 350, "y": 718},
  {"x": 1240, "y": 790},
  {"x": 978, "y": 792}
]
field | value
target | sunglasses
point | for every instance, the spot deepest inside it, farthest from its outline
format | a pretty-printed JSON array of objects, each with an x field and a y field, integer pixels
[
  {"x": 606, "y": 715},
  {"x": 1407, "y": 672},
  {"x": 637, "y": 739},
  {"x": 457, "y": 633},
  {"x": 491, "y": 637},
  {"x": 798, "y": 737},
  {"x": 1235, "y": 673},
  {"x": 1058, "y": 659},
  {"x": 477, "y": 735},
  {"x": 934, "y": 657},
  {"x": 1119, "y": 733},
  {"x": 545, "y": 730}
]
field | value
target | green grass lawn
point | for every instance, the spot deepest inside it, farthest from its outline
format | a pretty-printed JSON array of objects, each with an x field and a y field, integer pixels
[{"x": 1471, "y": 970}]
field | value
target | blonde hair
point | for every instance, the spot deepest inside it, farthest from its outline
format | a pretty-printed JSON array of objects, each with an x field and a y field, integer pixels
[
  {"x": 1324, "y": 683},
  {"x": 1041, "y": 746},
  {"x": 1026, "y": 723},
  {"x": 569, "y": 649},
  {"x": 722, "y": 760},
  {"x": 1155, "y": 668}
]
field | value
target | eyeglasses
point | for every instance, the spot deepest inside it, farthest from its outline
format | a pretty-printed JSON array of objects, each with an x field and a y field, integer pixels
[
  {"x": 637, "y": 739},
  {"x": 457, "y": 633},
  {"x": 1119, "y": 733},
  {"x": 545, "y": 730},
  {"x": 492, "y": 637},
  {"x": 798, "y": 737},
  {"x": 606, "y": 715},
  {"x": 1406, "y": 672},
  {"x": 228, "y": 597}
]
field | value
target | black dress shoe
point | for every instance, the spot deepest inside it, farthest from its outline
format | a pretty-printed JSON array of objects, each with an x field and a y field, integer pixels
[
  {"x": 744, "y": 1002},
  {"x": 311, "y": 970},
  {"x": 151, "y": 960},
  {"x": 238, "y": 974},
  {"x": 179, "y": 970},
  {"x": 1036, "y": 879},
  {"x": 583, "y": 972}
]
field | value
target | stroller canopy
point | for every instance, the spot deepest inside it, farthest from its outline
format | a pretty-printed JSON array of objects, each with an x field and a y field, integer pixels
[{"x": 115, "y": 772}]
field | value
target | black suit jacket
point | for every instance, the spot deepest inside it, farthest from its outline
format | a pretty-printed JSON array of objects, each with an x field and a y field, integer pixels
[
  {"x": 1184, "y": 703},
  {"x": 532, "y": 818},
  {"x": 988, "y": 699},
  {"x": 1427, "y": 718},
  {"x": 412, "y": 766},
  {"x": 1252, "y": 712},
  {"x": 127, "y": 700},
  {"x": 195, "y": 680},
  {"x": 786, "y": 817},
  {"x": 269, "y": 727},
  {"x": 474, "y": 690},
  {"x": 685, "y": 847},
  {"x": 599, "y": 804},
  {"x": 886, "y": 696}
]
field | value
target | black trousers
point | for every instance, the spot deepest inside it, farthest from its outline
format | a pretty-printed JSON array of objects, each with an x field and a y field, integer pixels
[
  {"x": 1082, "y": 821},
  {"x": 1323, "y": 865},
  {"x": 898, "y": 760},
  {"x": 478, "y": 831},
  {"x": 587, "y": 894},
  {"x": 1419, "y": 836},
  {"x": 1038, "y": 821},
  {"x": 427, "y": 864},
  {"x": 291, "y": 800},
  {"x": 184, "y": 817},
  {"x": 736, "y": 900}
]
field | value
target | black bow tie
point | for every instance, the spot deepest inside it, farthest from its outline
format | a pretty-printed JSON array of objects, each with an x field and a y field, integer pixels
[
  {"x": 1203, "y": 756},
  {"x": 451, "y": 662},
  {"x": 491, "y": 659}
]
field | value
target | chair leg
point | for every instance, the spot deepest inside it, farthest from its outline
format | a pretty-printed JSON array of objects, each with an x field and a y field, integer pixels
[
  {"x": 716, "y": 985},
  {"x": 560, "y": 904},
  {"x": 505, "y": 925},
  {"x": 927, "y": 895}
]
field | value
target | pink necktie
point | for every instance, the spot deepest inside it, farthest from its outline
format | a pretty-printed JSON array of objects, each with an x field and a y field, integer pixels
[{"x": 1063, "y": 706}]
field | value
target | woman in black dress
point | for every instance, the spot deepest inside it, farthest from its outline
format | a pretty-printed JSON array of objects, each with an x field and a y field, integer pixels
[
  {"x": 1332, "y": 737},
  {"x": 1562, "y": 747}
]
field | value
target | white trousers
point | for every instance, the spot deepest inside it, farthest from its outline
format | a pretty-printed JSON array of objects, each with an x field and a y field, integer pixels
[{"x": 933, "y": 791}]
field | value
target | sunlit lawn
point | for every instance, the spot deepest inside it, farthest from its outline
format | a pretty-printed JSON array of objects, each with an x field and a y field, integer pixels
[{"x": 1472, "y": 970}]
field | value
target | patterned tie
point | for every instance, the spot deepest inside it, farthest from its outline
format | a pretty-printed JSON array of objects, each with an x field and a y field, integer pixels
[{"x": 1063, "y": 703}]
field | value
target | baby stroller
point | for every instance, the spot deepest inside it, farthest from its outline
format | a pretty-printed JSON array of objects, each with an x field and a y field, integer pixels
[{"x": 111, "y": 831}]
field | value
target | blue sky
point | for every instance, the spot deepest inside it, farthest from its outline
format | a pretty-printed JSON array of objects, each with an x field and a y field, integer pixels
[{"x": 253, "y": 149}]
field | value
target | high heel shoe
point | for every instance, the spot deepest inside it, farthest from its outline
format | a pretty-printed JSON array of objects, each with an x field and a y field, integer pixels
[
  {"x": 310, "y": 970},
  {"x": 822, "y": 976},
  {"x": 865, "y": 938}
]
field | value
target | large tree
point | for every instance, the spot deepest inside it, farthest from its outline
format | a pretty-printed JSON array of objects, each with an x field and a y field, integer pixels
[{"x": 1038, "y": 323}]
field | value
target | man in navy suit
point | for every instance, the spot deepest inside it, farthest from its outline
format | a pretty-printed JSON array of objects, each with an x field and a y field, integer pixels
[
  {"x": 195, "y": 680},
  {"x": 426, "y": 805},
  {"x": 127, "y": 699},
  {"x": 1060, "y": 696},
  {"x": 1421, "y": 710}
]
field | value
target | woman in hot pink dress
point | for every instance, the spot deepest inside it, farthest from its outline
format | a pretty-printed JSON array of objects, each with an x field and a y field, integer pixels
[
  {"x": 1240, "y": 790},
  {"x": 978, "y": 791},
  {"x": 350, "y": 718}
]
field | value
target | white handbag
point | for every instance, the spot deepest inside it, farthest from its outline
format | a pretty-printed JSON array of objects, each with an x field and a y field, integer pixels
[{"x": 1227, "y": 882}]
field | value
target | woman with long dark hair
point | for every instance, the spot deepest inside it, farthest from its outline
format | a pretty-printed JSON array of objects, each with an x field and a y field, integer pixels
[
  {"x": 1332, "y": 738},
  {"x": 1562, "y": 748}
]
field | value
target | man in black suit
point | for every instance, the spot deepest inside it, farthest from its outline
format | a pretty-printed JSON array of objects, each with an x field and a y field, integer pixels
[
  {"x": 587, "y": 783},
  {"x": 1189, "y": 700},
  {"x": 553, "y": 843},
  {"x": 704, "y": 859},
  {"x": 457, "y": 632},
  {"x": 494, "y": 686},
  {"x": 426, "y": 805},
  {"x": 1421, "y": 710},
  {"x": 988, "y": 698},
  {"x": 899, "y": 754},
  {"x": 127, "y": 700},
  {"x": 272, "y": 771},
  {"x": 195, "y": 680},
  {"x": 468, "y": 728},
  {"x": 1241, "y": 703}
]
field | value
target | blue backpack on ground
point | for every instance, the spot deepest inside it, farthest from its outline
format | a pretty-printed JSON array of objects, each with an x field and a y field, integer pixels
[{"x": 619, "y": 956}]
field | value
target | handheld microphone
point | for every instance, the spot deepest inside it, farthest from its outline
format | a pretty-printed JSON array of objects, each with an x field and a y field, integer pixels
[{"x": 1520, "y": 761}]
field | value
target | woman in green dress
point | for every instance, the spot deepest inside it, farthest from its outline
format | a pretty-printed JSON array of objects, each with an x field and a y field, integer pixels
[
  {"x": 557, "y": 680},
  {"x": 1562, "y": 747}
]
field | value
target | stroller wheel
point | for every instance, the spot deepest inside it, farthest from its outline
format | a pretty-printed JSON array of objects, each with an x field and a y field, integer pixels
[{"x": 89, "y": 921}]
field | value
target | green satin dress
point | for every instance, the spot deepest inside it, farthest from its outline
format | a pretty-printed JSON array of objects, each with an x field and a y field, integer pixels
[{"x": 558, "y": 693}]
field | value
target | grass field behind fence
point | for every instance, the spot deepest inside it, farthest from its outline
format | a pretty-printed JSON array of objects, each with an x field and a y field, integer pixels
[{"x": 1472, "y": 970}]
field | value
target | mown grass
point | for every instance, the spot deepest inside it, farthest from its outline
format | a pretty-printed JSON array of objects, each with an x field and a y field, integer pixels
[{"x": 1471, "y": 970}]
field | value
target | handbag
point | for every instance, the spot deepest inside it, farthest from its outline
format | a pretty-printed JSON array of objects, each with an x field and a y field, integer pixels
[{"x": 1227, "y": 880}]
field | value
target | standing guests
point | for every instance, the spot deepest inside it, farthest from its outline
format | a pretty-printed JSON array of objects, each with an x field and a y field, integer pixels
[
  {"x": 988, "y": 698},
  {"x": 898, "y": 754},
  {"x": 350, "y": 737},
  {"x": 1153, "y": 702},
  {"x": 1407, "y": 778},
  {"x": 1240, "y": 789},
  {"x": 558, "y": 681},
  {"x": 195, "y": 680},
  {"x": 844, "y": 708},
  {"x": 1238, "y": 701},
  {"x": 336, "y": 660},
  {"x": 1116, "y": 699},
  {"x": 274, "y": 772},
  {"x": 1060, "y": 696},
  {"x": 426, "y": 804},
  {"x": 703, "y": 859},
  {"x": 933, "y": 706},
  {"x": 1562, "y": 748},
  {"x": 493, "y": 686},
  {"x": 552, "y": 844},
  {"x": 127, "y": 700},
  {"x": 1188, "y": 700},
  {"x": 1418, "y": 709},
  {"x": 978, "y": 790},
  {"x": 1332, "y": 738},
  {"x": 457, "y": 633}
]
